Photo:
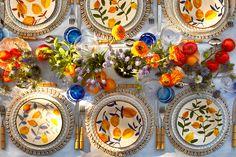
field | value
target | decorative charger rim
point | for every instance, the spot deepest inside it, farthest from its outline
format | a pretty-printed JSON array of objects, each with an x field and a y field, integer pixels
[
  {"x": 147, "y": 129},
  {"x": 129, "y": 33},
  {"x": 14, "y": 25},
  {"x": 67, "y": 118},
  {"x": 194, "y": 32},
  {"x": 174, "y": 140}
]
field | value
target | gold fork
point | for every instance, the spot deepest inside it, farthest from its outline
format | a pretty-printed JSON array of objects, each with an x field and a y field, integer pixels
[
  {"x": 82, "y": 117},
  {"x": 162, "y": 112}
]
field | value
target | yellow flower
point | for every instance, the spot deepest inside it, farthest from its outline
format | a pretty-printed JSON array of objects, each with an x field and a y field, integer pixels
[
  {"x": 70, "y": 70},
  {"x": 189, "y": 137},
  {"x": 118, "y": 32},
  {"x": 216, "y": 132},
  {"x": 140, "y": 49},
  {"x": 111, "y": 22},
  {"x": 133, "y": 5}
]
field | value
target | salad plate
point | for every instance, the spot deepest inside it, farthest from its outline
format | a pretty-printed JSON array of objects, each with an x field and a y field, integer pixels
[
  {"x": 34, "y": 18},
  {"x": 40, "y": 121},
  {"x": 200, "y": 19},
  {"x": 102, "y": 15},
  {"x": 119, "y": 123},
  {"x": 197, "y": 123}
]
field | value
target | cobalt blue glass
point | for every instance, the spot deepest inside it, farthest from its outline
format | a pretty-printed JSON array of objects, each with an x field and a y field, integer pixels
[
  {"x": 148, "y": 38},
  {"x": 75, "y": 93},
  {"x": 1, "y": 34},
  {"x": 72, "y": 35},
  {"x": 165, "y": 94}
]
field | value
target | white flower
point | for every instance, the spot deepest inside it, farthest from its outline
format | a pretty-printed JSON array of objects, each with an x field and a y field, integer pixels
[{"x": 198, "y": 79}]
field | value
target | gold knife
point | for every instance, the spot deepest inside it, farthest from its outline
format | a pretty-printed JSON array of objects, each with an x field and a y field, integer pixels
[
  {"x": 3, "y": 113},
  {"x": 234, "y": 125},
  {"x": 77, "y": 129}
]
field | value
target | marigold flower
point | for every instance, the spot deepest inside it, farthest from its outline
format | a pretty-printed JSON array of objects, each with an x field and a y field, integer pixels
[
  {"x": 118, "y": 32},
  {"x": 153, "y": 61},
  {"x": 140, "y": 49}
]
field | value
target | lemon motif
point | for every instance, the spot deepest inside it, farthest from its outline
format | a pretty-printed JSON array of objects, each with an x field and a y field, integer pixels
[{"x": 211, "y": 14}]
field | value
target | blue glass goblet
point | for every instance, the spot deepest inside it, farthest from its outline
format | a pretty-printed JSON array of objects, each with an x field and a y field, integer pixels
[
  {"x": 75, "y": 93},
  {"x": 165, "y": 94},
  {"x": 72, "y": 35}
]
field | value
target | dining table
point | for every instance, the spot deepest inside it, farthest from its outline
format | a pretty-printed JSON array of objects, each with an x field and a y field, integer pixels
[{"x": 148, "y": 93}]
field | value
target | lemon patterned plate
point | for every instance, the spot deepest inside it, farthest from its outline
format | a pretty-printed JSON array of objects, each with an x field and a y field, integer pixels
[
  {"x": 200, "y": 18},
  {"x": 34, "y": 17},
  {"x": 197, "y": 123},
  {"x": 119, "y": 123},
  {"x": 102, "y": 15},
  {"x": 40, "y": 121}
]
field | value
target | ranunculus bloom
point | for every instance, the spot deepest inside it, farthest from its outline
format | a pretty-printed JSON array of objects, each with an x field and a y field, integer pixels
[
  {"x": 170, "y": 79},
  {"x": 118, "y": 32},
  {"x": 140, "y": 49},
  {"x": 177, "y": 56},
  {"x": 153, "y": 61},
  {"x": 176, "y": 76},
  {"x": 70, "y": 70}
]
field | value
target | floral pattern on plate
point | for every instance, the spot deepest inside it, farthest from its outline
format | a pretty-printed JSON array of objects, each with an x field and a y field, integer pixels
[
  {"x": 119, "y": 124},
  {"x": 109, "y": 13},
  {"x": 39, "y": 122},
  {"x": 202, "y": 13},
  {"x": 32, "y": 12},
  {"x": 199, "y": 121}
]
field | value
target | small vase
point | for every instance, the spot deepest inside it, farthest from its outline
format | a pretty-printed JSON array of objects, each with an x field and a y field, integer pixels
[{"x": 121, "y": 74}]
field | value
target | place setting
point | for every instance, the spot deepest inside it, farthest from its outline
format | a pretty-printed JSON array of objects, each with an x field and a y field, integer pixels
[{"x": 121, "y": 77}]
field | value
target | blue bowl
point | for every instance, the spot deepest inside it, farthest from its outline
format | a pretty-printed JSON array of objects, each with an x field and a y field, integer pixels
[
  {"x": 1, "y": 34},
  {"x": 72, "y": 35},
  {"x": 75, "y": 93},
  {"x": 165, "y": 94},
  {"x": 148, "y": 38}
]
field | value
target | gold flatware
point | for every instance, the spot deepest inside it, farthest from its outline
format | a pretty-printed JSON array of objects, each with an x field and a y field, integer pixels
[
  {"x": 77, "y": 118},
  {"x": 82, "y": 117},
  {"x": 3, "y": 114},
  {"x": 158, "y": 127},
  {"x": 162, "y": 112},
  {"x": 234, "y": 125}
]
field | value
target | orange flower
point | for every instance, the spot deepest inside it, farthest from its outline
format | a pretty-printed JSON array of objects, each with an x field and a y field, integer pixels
[
  {"x": 176, "y": 76},
  {"x": 201, "y": 119},
  {"x": 165, "y": 80},
  {"x": 177, "y": 56},
  {"x": 153, "y": 61},
  {"x": 97, "y": 5},
  {"x": 211, "y": 110},
  {"x": 185, "y": 114},
  {"x": 118, "y": 32},
  {"x": 112, "y": 9},
  {"x": 69, "y": 70},
  {"x": 140, "y": 49},
  {"x": 196, "y": 125},
  {"x": 171, "y": 79}
]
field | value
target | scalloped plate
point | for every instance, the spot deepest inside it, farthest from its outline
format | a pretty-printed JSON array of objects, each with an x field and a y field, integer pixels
[
  {"x": 119, "y": 123},
  {"x": 40, "y": 121},
  {"x": 34, "y": 18},
  {"x": 101, "y": 16},
  {"x": 200, "y": 19},
  {"x": 197, "y": 123}
]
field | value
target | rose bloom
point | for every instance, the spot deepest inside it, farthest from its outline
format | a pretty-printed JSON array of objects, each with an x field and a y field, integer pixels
[
  {"x": 70, "y": 70},
  {"x": 165, "y": 80},
  {"x": 153, "y": 61},
  {"x": 140, "y": 49},
  {"x": 177, "y": 56},
  {"x": 118, "y": 32}
]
